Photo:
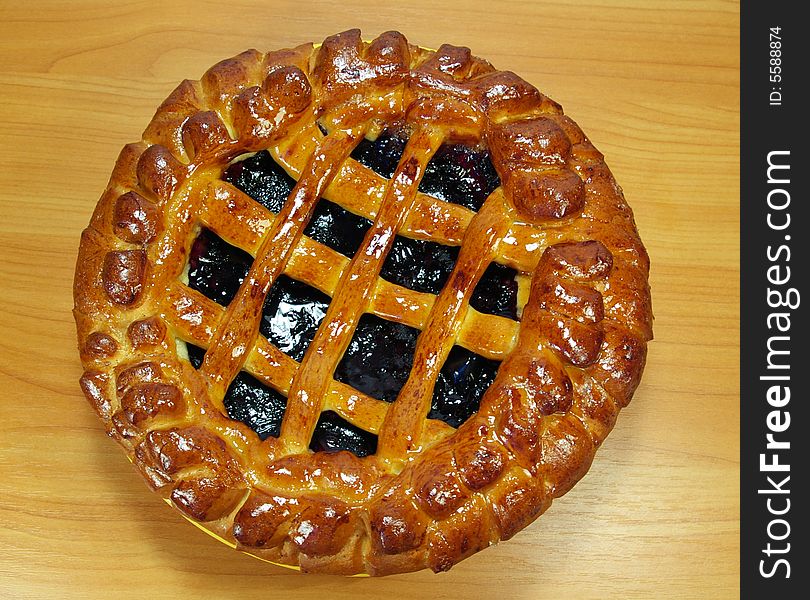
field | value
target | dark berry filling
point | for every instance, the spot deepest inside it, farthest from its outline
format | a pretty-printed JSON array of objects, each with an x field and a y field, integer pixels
[
  {"x": 195, "y": 355},
  {"x": 333, "y": 433},
  {"x": 215, "y": 268},
  {"x": 248, "y": 400},
  {"x": 261, "y": 178},
  {"x": 383, "y": 154},
  {"x": 291, "y": 315},
  {"x": 419, "y": 265},
  {"x": 496, "y": 292},
  {"x": 337, "y": 228},
  {"x": 462, "y": 381},
  {"x": 379, "y": 357},
  {"x": 460, "y": 174}
]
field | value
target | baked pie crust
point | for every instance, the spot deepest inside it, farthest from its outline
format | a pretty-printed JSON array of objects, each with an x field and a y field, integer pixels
[{"x": 431, "y": 494}]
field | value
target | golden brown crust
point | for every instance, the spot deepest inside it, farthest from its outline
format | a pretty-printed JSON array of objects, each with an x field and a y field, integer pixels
[{"x": 431, "y": 495}]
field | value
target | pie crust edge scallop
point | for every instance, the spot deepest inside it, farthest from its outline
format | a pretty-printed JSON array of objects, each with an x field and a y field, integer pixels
[{"x": 430, "y": 498}]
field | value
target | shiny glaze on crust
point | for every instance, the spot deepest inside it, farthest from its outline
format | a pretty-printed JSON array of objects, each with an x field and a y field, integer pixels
[
  {"x": 293, "y": 311},
  {"x": 431, "y": 495}
]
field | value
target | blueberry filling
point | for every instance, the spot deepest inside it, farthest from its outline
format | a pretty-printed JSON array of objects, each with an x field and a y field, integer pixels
[
  {"x": 264, "y": 180},
  {"x": 261, "y": 178},
  {"x": 337, "y": 228},
  {"x": 379, "y": 357},
  {"x": 496, "y": 292},
  {"x": 460, "y": 174},
  {"x": 333, "y": 433},
  {"x": 262, "y": 409},
  {"x": 292, "y": 311},
  {"x": 383, "y": 154},
  {"x": 215, "y": 268},
  {"x": 419, "y": 265},
  {"x": 248, "y": 400},
  {"x": 195, "y": 355},
  {"x": 462, "y": 381},
  {"x": 291, "y": 315}
]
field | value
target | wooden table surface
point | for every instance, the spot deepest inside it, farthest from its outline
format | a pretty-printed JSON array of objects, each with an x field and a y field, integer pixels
[{"x": 655, "y": 85}]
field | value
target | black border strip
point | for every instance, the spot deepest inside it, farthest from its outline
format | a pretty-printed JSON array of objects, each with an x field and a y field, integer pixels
[{"x": 773, "y": 251}]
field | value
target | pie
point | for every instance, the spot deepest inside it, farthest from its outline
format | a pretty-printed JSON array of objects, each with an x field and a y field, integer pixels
[{"x": 361, "y": 307}]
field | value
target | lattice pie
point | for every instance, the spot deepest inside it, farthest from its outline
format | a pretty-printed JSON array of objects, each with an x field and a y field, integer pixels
[{"x": 361, "y": 307}]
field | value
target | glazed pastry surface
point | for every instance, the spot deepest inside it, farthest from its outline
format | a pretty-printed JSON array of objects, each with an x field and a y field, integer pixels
[{"x": 361, "y": 307}]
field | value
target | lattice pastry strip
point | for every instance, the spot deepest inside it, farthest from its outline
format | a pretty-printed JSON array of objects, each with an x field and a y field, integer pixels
[
  {"x": 356, "y": 284},
  {"x": 403, "y": 430},
  {"x": 230, "y": 196},
  {"x": 193, "y": 317},
  {"x": 433, "y": 494},
  {"x": 238, "y": 330},
  {"x": 525, "y": 242},
  {"x": 340, "y": 391},
  {"x": 242, "y": 222},
  {"x": 359, "y": 189}
]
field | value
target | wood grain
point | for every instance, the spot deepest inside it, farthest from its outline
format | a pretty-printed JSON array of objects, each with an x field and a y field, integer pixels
[{"x": 655, "y": 86}]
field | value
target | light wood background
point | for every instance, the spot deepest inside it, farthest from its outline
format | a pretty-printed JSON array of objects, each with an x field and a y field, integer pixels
[{"x": 655, "y": 86}]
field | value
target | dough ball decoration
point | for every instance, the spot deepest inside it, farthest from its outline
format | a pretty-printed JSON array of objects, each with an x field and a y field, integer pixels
[{"x": 361, "y": 307}]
